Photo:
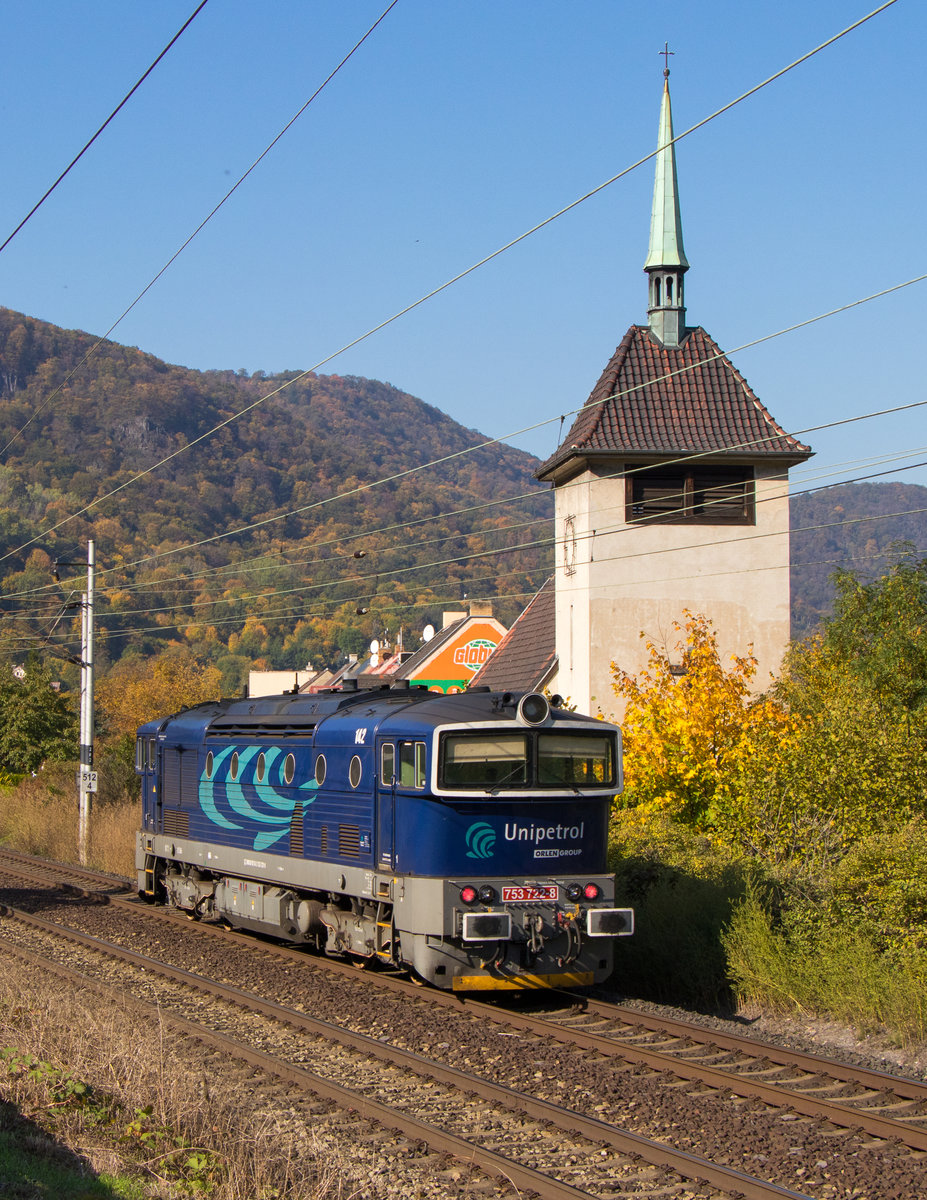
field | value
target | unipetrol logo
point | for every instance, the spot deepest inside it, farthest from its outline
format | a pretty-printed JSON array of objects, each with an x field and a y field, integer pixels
[
  {"x": 474, "y": 654},
  {"x": 481, "y": 840}
]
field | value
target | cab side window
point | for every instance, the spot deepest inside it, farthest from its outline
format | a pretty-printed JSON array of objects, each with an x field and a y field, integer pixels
[
  {"x": 387, "y": 764},
  {"x": 412, "y": 764}
]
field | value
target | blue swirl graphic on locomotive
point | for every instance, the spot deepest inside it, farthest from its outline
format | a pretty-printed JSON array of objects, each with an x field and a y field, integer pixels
[
  {"x": 253, "y": 801},
  {"x": 481, "y": 840}
]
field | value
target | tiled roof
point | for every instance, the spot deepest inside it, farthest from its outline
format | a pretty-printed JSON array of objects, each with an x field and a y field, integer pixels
[
  {"x": 526, "y": 656},
  {"x": 411, "y": 665},
  {"x": 690, "y": 399}
]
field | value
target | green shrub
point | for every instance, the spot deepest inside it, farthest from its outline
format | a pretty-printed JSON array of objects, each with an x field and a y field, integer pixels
[
  {"x": 881, "y": 888},
  {"x": 683, "y": 890},
  {"x": 790, "y": 962}
]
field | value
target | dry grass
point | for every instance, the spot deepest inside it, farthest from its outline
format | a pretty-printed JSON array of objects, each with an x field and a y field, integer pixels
[
  {"x": 39, "y": 816},
  {"x": 149, "y": 1114}
]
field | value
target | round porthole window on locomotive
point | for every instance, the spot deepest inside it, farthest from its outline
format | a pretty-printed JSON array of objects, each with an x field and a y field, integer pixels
[
  {"x": 354, "y": 771},
  {"x": 209, "y": 762},
  {"x": 233, "y": 767},
  {"x": 289, "y": 769},
  {"x": 261, "y": 767},
  {"x": 320, "y": 770}
]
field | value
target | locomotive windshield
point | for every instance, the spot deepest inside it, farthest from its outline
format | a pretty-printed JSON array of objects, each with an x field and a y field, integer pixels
[
  {"x": 493, "y": 760},
  {"x": 580, "y": 759},
  {"x": 541, "y": 759}
]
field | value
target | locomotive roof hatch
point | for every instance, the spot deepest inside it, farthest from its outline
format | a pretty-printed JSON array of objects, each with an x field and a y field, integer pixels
[{"x": 293, "y": 715}]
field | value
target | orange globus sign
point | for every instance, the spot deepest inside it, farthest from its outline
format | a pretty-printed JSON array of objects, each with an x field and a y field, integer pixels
[{"x": 457, "y": 661}]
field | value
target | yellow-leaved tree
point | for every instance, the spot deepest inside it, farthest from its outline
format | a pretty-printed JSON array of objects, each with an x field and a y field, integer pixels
[
  {"x": 137, "y": 690},
  {"x": 690, "y": 728}
]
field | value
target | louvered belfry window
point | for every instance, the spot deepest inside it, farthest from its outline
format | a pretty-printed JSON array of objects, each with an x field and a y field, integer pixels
[{"x": 709, "y": 495}]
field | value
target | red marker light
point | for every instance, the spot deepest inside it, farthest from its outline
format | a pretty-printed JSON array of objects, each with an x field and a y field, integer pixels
[
  {"x": 591, "y": 891},
  {"x": 468, "y": 894}
]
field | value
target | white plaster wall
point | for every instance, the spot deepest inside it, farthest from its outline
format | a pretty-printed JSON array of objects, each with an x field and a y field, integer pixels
[{"x": 629, "y": 579}]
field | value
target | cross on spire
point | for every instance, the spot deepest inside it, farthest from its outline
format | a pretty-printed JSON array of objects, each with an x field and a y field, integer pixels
[{"x": 666, "y": 52}]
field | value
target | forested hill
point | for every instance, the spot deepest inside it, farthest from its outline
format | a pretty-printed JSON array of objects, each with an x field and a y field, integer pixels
[
  {"x": 281, "y": 592},
  {"x": 73, "y": 432},
  {"x": 856, "y": 526}
]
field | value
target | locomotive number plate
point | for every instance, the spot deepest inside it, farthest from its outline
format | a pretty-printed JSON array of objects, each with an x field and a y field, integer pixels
[{"x": 515, "y": 895}]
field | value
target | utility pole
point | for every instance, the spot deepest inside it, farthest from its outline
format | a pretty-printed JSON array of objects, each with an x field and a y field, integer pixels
[
  {"x": 86, "y": 776},
  {"x": 87, "y": 779}
]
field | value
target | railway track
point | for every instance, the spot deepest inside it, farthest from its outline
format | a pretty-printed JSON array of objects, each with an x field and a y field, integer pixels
[
  {"x": 451, "y": 1111},
  {"x": 707, "y": 1067}
]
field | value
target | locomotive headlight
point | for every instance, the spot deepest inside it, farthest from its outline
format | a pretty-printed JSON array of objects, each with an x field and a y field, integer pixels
[
  {"x": 533, "y": 709},
  {"x": 468, "y": 894},
  {"x": 574, "y": 892},
  {"x": 591, "y": 891},
  {"x": 487, "y": 893}
]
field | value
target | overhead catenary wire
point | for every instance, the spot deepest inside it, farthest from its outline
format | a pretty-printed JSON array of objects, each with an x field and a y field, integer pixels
[
  {"x": 747, "y": 445},
  {"x": 391, "y": 605},
  {"x": 119, "y": 107},
  {"x": 622, "y": 473},
  {"x": 436, "y": 291},
  {"x": 235, "y": 186},
  {"x": 243, "y": 566},
  {"x": 435, "y": 602},
  {"x": 550, "y": 540},
  {"x": 405, "y": 474},
  {"x": 538, "y": 543}
]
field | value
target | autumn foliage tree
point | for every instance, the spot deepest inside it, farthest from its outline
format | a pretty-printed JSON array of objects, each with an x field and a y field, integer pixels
[
  {"x": 689, "y": 729},
  {"x": 137, "y": 690}
]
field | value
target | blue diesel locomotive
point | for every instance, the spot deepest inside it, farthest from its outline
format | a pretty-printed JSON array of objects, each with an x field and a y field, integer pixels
[{"x": 462, "y": 837}]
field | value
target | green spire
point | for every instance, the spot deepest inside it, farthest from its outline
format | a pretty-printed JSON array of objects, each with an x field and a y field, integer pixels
[
  {"x": 666, "y": 248},
  {"x": 666, "y": 263}
]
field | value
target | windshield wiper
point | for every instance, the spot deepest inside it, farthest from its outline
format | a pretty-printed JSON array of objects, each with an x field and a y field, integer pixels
[{"x": 500, "y": 783}]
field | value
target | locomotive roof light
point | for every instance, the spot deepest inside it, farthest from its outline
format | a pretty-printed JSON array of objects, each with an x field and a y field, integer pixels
[
  {"x": 556, "y": 701},
  {"x": 533, "y": 709}
]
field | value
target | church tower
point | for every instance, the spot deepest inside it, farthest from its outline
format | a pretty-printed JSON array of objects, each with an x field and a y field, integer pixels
[{"x": 671, "y": 489}]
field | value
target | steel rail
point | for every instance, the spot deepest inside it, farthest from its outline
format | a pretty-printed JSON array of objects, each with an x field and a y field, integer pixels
[
  {"x": 691, "y": 1167},
  {"x": 48, "y": 867},
  {"x": 911, "y": 1089},
  {"x": 775, "y": 1094},
  {"x": 437, "y": 1140}
]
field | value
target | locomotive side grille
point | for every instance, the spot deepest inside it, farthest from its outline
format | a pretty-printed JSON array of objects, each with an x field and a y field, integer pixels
[
  {"x": 349, "y": 841},
  {"x": 235, "y": 729},
  {"x": 296, "y": 830},
  {"x": 170, "y": 782},
  {"x": 189, "y": 777},
  {"x": 176, "y": 822},
  {"x": 323, "y": 840},
  {"x": 181, "y": 776}
]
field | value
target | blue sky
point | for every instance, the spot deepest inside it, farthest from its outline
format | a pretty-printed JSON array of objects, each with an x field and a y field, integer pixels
[{"x": 455, "y": 128}]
